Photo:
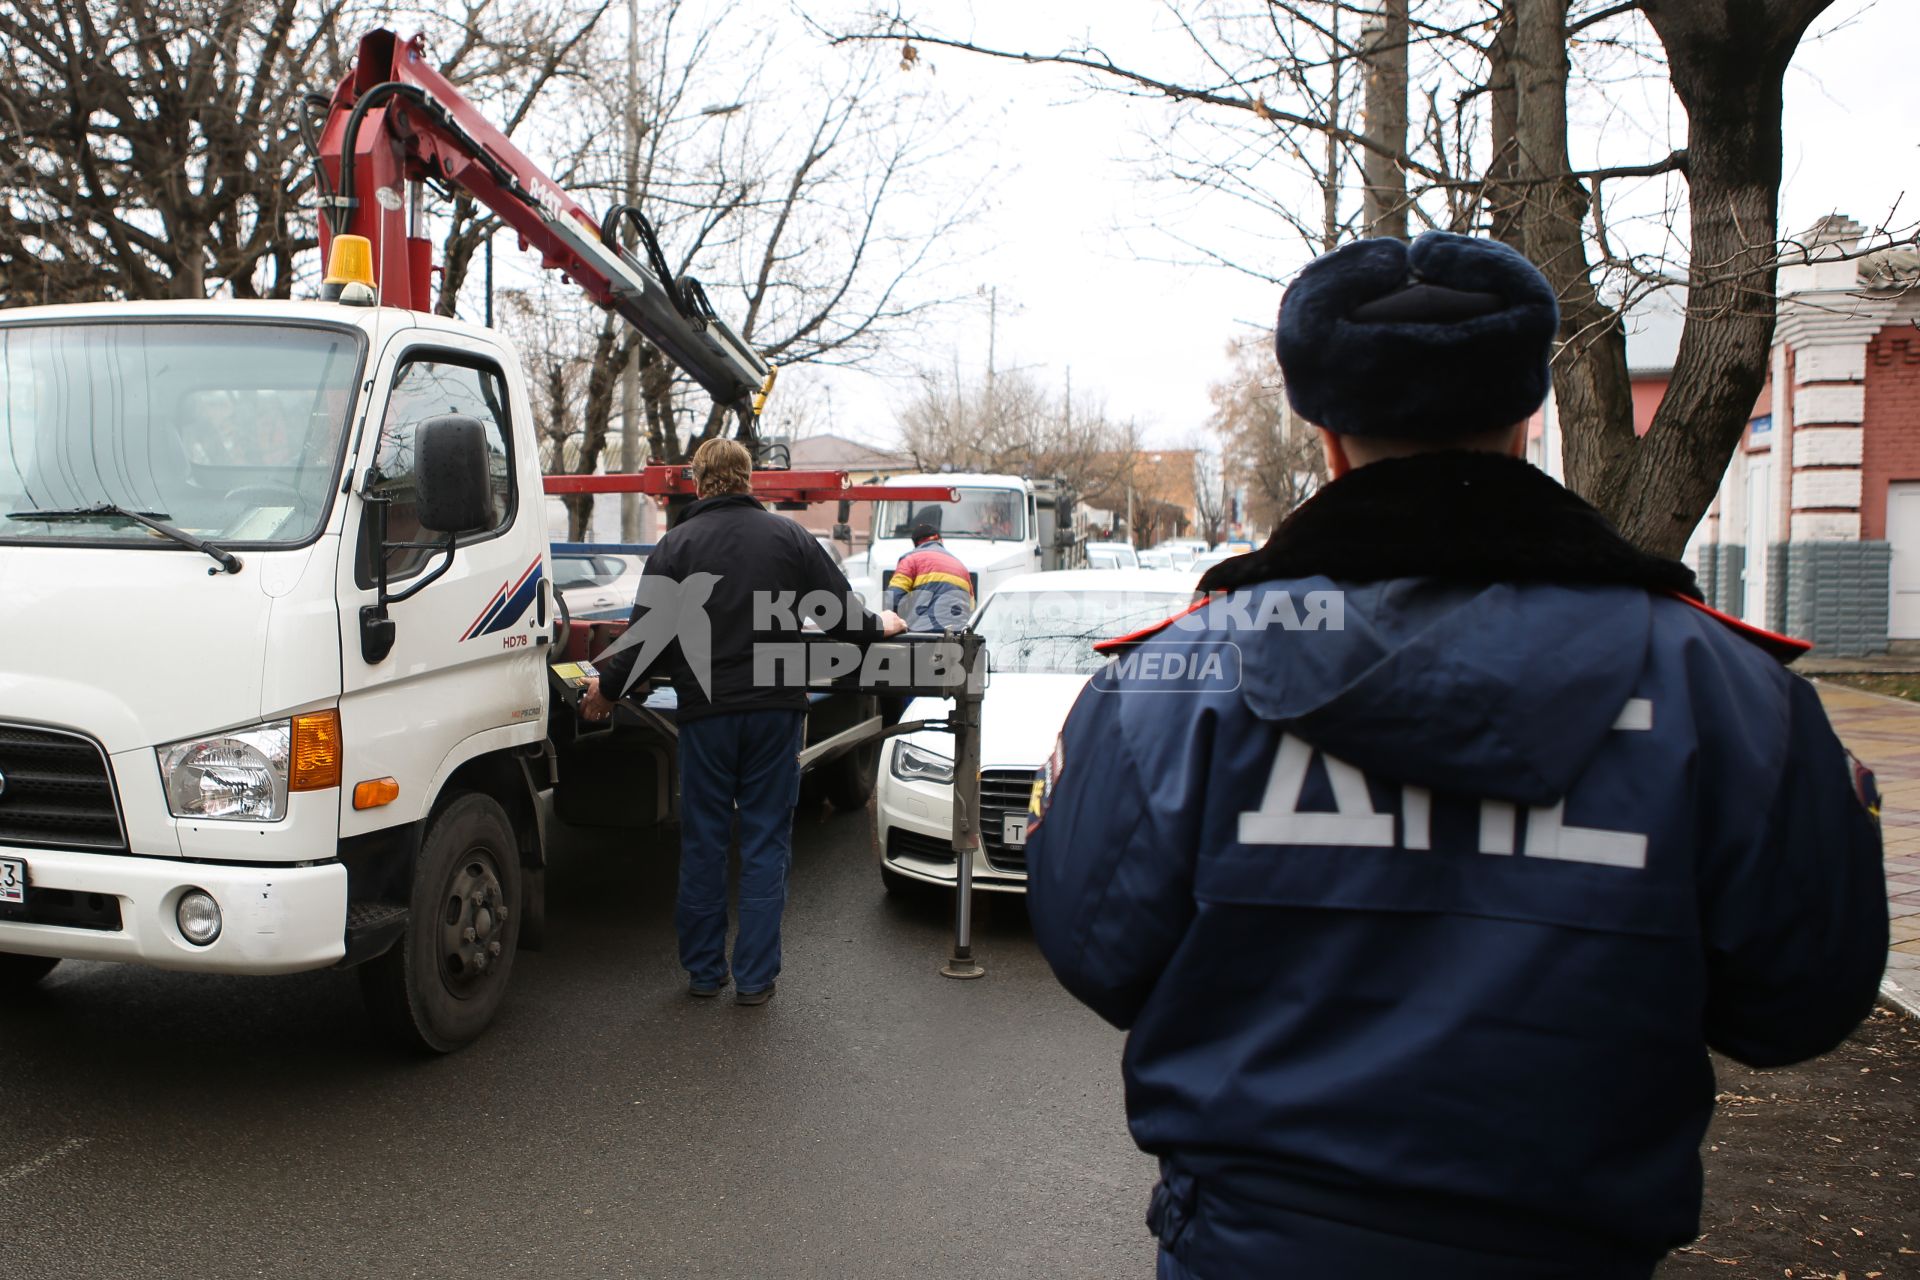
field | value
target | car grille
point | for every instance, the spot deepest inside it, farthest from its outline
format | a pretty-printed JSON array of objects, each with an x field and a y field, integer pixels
[
  {"x": 56, "y": 792},
  {"x": 1003, "y": 791}
]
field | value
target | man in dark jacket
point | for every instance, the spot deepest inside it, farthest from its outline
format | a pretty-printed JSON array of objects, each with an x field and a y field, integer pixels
[
  {"x": 720, "y": 593},
  {"x": 930, "y": 588},
  {"x": 1424, "y": 903}
]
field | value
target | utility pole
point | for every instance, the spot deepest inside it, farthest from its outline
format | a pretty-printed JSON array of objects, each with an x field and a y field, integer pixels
[
  {"x": 630, "y": 376},
  {"x": 993, "y": 324}
]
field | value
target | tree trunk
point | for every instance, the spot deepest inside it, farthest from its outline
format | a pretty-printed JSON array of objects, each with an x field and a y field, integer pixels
[
  {"x": 1503, "y": 119},
  {"x": 1728, "y": 59},
  {"x": 1384, "y": 52},
  {"x": 1593, "y": 395}
]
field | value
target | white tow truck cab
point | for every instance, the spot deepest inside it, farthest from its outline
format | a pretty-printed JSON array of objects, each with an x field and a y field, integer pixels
[
  {"x": 1001, "y": 526},
  {"x": 223, "y": 758}
]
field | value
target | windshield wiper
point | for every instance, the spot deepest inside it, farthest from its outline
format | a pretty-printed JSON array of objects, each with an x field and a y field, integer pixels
[{"x": 154, "y": 520}]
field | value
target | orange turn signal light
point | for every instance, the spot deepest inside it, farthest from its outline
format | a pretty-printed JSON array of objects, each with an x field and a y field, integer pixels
[
  {"x": 375, "y": 792},
  {"x": 316, "y": 752}
]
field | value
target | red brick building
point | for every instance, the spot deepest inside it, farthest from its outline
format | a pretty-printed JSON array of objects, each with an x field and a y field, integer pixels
[{"x": 1816, "y": 529}]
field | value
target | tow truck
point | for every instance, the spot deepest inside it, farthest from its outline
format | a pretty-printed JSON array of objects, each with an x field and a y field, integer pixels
[{"x": 283, "y": 683}]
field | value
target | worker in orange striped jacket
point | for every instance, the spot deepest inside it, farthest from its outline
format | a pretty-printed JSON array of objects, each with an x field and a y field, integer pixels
[{"x": 930, "y": 588}]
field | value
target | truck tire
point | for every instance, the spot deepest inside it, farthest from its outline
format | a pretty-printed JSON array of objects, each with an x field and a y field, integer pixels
[
  {"x": 439, "y": 987},
  {"x": 848, "y": 779},
  {"x": 18, "y": 973}
]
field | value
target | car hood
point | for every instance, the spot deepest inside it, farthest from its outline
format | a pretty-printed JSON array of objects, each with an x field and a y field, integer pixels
[
  {"x": 134, "y": 647},
  {"x": 1020, "y": 716}
]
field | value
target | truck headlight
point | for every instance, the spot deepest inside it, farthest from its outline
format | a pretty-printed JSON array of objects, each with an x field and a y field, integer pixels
[
  {"x": 239, "y": 776},
  {"x": 917, "y": 764}
]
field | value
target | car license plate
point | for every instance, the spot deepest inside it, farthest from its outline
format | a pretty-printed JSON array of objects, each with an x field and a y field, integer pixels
[
  {"x": 13, "y": 880},
  {"x": 1013, "y": 829}
]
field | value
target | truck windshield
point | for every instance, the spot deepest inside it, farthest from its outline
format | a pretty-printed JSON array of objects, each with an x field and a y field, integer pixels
[
  {"x": 231, "y": 432},
  {"x": 980, "y": 513}
]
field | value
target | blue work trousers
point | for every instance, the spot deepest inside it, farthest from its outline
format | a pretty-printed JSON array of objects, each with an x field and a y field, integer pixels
[{"x": 747, "y": 761}]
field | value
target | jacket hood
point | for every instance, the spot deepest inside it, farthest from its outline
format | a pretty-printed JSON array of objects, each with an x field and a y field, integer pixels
[
  {"x": 1502, "y": 690},
  {"x": 1492, "y": 625}
]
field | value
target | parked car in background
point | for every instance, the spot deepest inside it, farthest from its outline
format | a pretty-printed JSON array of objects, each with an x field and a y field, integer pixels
[
  {"x": 1203, "y": 563},
  {"x": 1160, "y": 558},
  {"x": 1121, "y": 554},
  {"x": 1040, "y": 631},
  {"x": 1233, "y": 547},
  {"x": 597, "y": 587},
  {"x": 1183, "y": 550}
]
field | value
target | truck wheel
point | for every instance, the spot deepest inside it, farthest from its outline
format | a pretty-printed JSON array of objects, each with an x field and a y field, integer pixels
[
  {"x": 17, "y": 973},
  {"x": 848, "y": 779},
  {"x": 440, "y": 985}
]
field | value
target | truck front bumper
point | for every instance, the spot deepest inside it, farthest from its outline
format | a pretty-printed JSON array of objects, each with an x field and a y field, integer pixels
[{"x": 273, "y": 919}]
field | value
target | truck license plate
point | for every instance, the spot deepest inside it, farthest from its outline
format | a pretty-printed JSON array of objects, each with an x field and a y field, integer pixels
[
  {"x": 1013, "y": 829},
  {"x": 13, "y": 880}
]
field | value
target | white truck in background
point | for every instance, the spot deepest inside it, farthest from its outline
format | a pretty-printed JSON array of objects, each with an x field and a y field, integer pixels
[{"x": 1001, "y": 526}]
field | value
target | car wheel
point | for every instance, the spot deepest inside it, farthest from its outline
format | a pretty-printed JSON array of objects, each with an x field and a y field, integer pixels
[
  {"x": 18, "y": 973},
  {"x": 899, "y": 886},
  {"x": 439, "y": 987}
]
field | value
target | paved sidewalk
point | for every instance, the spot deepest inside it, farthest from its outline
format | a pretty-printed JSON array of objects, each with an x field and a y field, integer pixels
[{"x": 1885, "y": 734}]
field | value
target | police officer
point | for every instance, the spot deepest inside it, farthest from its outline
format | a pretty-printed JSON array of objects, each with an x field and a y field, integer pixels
[
  {"x": 930, "y": 588},
  {"x": 1424, "y": 906},
  {"x": 710, "y": 594}
]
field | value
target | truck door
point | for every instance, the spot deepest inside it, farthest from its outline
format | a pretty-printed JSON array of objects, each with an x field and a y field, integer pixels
[{"x": 465, "y": 672}]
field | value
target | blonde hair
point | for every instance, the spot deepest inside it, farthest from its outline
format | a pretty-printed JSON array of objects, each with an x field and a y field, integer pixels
[{"x": 722, "y": 466}]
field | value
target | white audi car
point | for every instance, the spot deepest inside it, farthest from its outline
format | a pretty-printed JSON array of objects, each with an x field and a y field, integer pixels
[{"x": 1040, "y": 631}]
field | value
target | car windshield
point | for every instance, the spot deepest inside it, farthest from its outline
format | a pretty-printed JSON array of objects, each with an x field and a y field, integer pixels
[
  {"x": 980, "y": 513},
  {"x": 1040, "y": 631},
  {"x": 231, "y": 432}
]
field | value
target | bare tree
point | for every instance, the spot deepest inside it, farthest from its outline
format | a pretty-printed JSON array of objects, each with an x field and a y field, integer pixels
[
  {"x": 1014, "y": 424},
  {"x": 157, "y": 150},
  {"x": 806, "y": 212},
  {"x": 1211, "y": 511},
  {"x": 1493, "y": 78},
  {"x": 1264, "y": 447},
  {"x": 152, "y": 150}
]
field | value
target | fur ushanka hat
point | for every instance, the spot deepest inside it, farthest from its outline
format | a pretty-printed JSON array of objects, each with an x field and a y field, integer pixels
[{"x": 1438, "y": 339}]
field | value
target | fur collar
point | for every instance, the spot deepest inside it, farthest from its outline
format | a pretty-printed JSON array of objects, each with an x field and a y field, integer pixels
[{"x": 1463, "y": 516}]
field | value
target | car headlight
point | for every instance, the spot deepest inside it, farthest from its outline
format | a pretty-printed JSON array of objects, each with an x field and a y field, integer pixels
[
  {"x": 917, "y": 764},
  {"x": 239, "y": 776}
]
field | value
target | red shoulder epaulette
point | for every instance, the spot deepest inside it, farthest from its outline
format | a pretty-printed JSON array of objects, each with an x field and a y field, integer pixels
[{"x": 1783, "y": 648}]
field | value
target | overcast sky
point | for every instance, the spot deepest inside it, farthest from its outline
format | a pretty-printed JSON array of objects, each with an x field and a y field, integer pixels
[{"x": 1085, "y": 284}]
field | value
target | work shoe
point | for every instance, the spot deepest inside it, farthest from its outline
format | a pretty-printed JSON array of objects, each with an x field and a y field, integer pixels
[
  {"x": 754, "y": 997},
  {"x": 702, "y": 991}
]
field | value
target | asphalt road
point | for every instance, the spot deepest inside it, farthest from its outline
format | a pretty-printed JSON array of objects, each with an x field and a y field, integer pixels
[{"x": 873, "y": 1120}]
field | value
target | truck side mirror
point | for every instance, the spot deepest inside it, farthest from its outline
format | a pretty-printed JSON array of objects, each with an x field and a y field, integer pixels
[{"x": 455, "y": 492}]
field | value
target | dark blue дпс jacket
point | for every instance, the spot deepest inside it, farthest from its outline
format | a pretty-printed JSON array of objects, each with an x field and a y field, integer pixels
[{"x": 1422, "y": 925}]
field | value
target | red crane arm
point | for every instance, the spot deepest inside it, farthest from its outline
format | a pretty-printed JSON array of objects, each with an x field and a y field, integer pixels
[{"x": 394, "y": 123}]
